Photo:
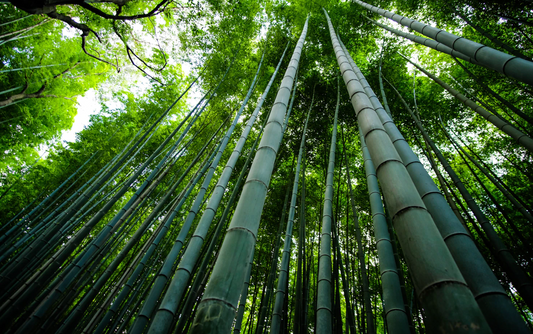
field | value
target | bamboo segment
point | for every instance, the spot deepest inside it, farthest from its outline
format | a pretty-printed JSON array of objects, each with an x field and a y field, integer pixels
[
  {"x": 149, "y": 306},
  {"x": 271, "y": 277},
  {"x": 512, "y": 66},
  {"x": 504, "y": 126},
  {"x": 427, "y": 256},
  {"x": 223, "y": 289},
  {"x": 426, "y": 41}
]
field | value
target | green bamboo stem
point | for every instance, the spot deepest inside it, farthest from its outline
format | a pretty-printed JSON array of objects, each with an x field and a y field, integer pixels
[
  {"x": 447, "y": 304},
  {"x": 361, "y": 255},
  {"x": 488, "y": 35},
  {"x": 202, "y": 271},
  {"x": 324, "y": 308},
  {"x": 244, "y": 296},
  {"x": 145, "y": 315},
  {"x": 270, "y": 284},
  {"x": 383, "y": 95},
  {"x": 223, "y": 289},
  {"x": 443, "y": 187},
  {"x": 283, "y": 278},
  {"x": 512, "y": 66},
  {"x": 298, "y": 325}
]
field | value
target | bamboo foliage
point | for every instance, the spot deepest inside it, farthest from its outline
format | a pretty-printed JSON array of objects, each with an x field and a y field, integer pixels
[
  {"x": 513, "y": 66},
  {"x": 418, "y": 235},
  {"x": 223, "y": 289}
]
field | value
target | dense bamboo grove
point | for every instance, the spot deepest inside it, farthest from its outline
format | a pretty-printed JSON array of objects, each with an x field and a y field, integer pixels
[{"x": 255, "y": 167}]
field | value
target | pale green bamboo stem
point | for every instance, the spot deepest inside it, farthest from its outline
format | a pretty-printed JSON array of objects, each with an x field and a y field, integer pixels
[
  {"x": 519, "y": 277},
  {"x": 395, "y": 315},
  {"x": 244, "y": 296},
  {"x": 224, "y": 287},
  {"x": 383, "y": 95},
  {"x": 324, "y": 308},
  {"x": 426, "y": 41},
  {"x": 144, "y": 316},
  {"x": 494, "y": 39}
]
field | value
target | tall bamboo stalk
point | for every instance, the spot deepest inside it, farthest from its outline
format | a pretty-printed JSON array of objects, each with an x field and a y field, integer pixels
[
  {"x": 324, "y": 289},
  {"x": 421, "y": 241},
  {"x": 145, "y": 315},
  {"x": 518, "y": 276},
  {"x": 361, "y": 255},
  {"x": 223, "y": 289},
  {"x": 488, "y": 35},
  {"x": 163, "y": 318},
  {"x": 425, "y": 41}
]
